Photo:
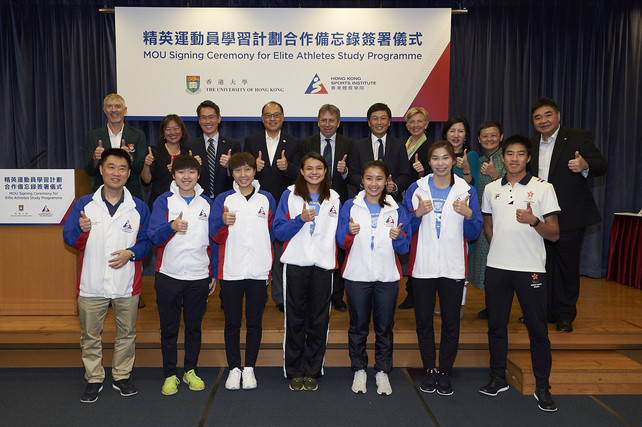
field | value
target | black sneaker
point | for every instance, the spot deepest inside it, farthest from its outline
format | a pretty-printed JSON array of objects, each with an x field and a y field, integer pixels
[
  {"x": 545, "y": 400},
  {"x": 495, "y": 386},
  {"x": 429, "y": 383},
  {"x": 125, "y": 387},
  {"x": 90, "y": 395},
  {"x": 443, "y": 384}
]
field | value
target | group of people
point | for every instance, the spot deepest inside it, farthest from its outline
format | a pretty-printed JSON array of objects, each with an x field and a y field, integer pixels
[{"x": 296, "y": 213}]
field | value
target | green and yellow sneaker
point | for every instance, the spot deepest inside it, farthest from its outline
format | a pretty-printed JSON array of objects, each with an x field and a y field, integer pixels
[{"x": 195, "y": 383}]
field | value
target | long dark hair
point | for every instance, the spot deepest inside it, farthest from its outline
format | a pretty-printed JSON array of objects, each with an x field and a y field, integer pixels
[
  {"x": 301, "y": 185},
  {"x": 451, "y": 152},
  {"x": 381, "y": 165}
]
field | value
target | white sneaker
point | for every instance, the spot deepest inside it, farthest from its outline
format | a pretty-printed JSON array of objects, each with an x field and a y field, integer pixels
[
  {"x": 233, "y": 379},
  {"x": 359, "y": 381},
  {"x": 383, "y": 384},
  {"x": 249, "y": 380}
]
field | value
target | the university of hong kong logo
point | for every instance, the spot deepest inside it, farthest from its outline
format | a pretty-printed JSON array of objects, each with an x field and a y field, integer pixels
[
  {"x": 193, "y": 84},
  {"x": 316, "y": 87}
]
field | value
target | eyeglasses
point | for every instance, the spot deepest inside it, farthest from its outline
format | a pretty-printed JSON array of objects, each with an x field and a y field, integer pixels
[
  {"x": 210, "y": 117},
  {"x": 272, "y": 116}
]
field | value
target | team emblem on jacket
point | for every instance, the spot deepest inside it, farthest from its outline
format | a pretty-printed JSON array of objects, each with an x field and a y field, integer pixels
[
  {"x": 132, "y": 148},
  {"x": 497, "y": 196},
  {"x": 202, "y": 216},
  {"x": 261, "y": 212},
  {"x": 333, "y": 212},
  {"x": 127, "y": 227},
  {"x": 390, "y": 221}
]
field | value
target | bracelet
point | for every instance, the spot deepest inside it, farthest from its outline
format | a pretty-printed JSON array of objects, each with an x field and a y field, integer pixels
[{"x": 536, "y": 224}]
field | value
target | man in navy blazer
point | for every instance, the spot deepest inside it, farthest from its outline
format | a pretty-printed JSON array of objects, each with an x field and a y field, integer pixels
[
  {"x": 394, "y": 152},
  {"x": 329, "y": 119},
  {"x": 116, "y": 135},
  {"x": 566, "y": 158},
  {"x": 277, "y": 156},
  {"x": 209, "y": 118}
]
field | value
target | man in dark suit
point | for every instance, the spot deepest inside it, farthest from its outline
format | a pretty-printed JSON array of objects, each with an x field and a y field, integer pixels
[
  {"x": 214, "y": 150},
  {"x": 566, "y": 158},
  {"x": 380, "y": 146},
  {"x": 277, "y": 166},
  {"x": 116, "y": 135},
  {"x": 334, "y": 147}
]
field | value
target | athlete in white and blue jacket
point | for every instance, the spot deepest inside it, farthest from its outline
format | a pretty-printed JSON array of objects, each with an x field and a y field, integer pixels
[
  {"x": 445, "y": 215},
  {"x": 306, "y": 222},
  {"x": 243, "y": 236},
  {"x": 372, "y": 229},
  {"x": 180, "y": 226}
]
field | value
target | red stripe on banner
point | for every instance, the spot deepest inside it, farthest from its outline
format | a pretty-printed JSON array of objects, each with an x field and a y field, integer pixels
[{"x": 433, "y": 95}]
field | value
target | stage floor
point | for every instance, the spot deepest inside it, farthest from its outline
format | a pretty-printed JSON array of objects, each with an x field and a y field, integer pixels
[{"x": 610, "y": 318}]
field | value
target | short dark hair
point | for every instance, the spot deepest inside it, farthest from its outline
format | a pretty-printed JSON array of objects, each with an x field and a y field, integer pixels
[
  {"x": 379, "y": 106},
  {"x": 275, "y": 103},
  {"x": 381, "y": 165},
  {"x": 490, "y": 124},
  {"x": 241, "y": 159},
  {"x": 118, "y": 152},
  {"x": 517, "y": 139},
  {"x": 451, "y": 152},
  {"x": 332, "y": 109},
  {"x": 450, "y": 123},
  {"x": 207, "y": 104},
  {"x": 185, "y": 161},
  {"x": 545, "y": 102},
  {"x": 163, "y": 124}
]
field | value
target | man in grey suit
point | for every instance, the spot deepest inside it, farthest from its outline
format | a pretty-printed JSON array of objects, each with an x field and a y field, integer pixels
[
  {"x": 277, "y": 155},
  {"x": 116, "y": 134},
  {"x": 334, "y": 147}
]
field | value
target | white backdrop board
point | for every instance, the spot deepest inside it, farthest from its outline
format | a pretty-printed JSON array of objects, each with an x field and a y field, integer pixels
[{"x": 171, "y": 59}]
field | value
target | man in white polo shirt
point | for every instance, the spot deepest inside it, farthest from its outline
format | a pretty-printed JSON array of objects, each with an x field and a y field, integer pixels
[{"x": 520, "y": 211}]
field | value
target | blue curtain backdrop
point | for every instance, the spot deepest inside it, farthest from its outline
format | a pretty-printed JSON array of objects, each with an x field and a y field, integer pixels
[{"x": 58, "y": 62}]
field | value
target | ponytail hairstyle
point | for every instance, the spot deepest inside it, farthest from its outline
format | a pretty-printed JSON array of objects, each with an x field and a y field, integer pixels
[{"x": 381, "y": 165}]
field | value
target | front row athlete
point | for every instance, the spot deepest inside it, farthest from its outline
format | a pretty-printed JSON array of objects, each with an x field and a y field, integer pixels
[{"x": 520, "y": 211}]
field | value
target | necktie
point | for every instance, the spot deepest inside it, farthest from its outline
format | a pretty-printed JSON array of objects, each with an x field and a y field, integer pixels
[
  {"x": 380, "y": 154},
  {"x": 327, "y": 153},
  {"x": 211, "y": 163}
]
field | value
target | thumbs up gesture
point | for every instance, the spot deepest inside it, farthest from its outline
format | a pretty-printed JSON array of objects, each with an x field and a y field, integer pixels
[
  {"x": 98, "y": 152},
  {"x": 525, "y": 216},
  {"x": 395, "y": 231},
  {"x": 260, "y": 163},
  {"x": 342, "y": 166},
  {"x": 423, "y": 206},
  {"x": 462, "y": 163},
  {"x": 488, "y": 169},
  {"x": 84, "y": 222},
  {"x": 282, "y": 162},
  {"x": 179, "y": 225},
  {"x": 225, "y": 158},
  {"x": 390, "y": 185},
  {"x": 461, "y": 207},
  {"x": 149, "y": 158},
  {"x": 418, "y": 166},
  {"x": 229, "y": 218},
  {"x": 577, "y": 164},
  {"x": 353, "y": 227},
  {"x": 197, "y": 157},
  {"x": 307, "y": 214},
  {"x": 124, "y": 146}
]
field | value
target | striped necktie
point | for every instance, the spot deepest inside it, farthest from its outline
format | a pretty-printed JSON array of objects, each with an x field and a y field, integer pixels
[
  {"x": 327, "y": 153},
  {"x": 211, "y": 163}
]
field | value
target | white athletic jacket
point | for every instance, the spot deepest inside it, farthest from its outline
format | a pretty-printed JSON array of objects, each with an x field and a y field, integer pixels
[
  {"x": 299, "y": 247},
  {"x": 182, "y": 256},
  {"x": 244, "y": 250}
]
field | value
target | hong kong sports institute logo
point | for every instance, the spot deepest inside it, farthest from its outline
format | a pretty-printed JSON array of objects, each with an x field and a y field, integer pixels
[{"x": 316, "y": 87}]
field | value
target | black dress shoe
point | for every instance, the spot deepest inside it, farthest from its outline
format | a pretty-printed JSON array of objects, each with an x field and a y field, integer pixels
[
  {"x": 339, "y": 305},
  {"x": 521, "y": 319},
  {"x": 407, "y": 303},
  {"x": 483, "y": 314},
  {"x": 280, "y": 307},
  {"x": 564, "y": 326}
]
